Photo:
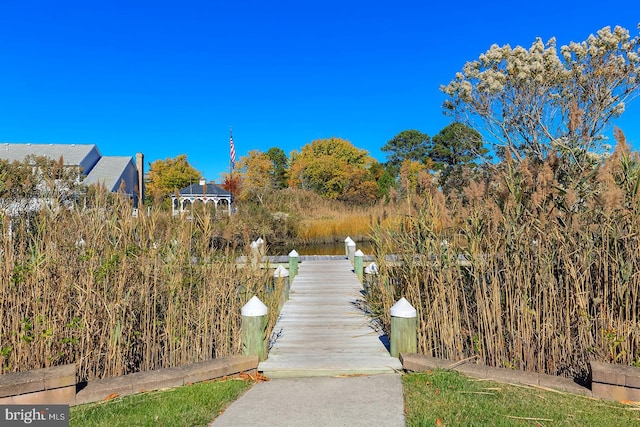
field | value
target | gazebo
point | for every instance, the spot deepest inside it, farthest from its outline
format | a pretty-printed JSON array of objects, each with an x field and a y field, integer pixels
[{"x": 201, "y": 192}]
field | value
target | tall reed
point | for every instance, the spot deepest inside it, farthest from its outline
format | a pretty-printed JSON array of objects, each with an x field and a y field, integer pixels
[
  {"x": 531, "y": 269},
  {"x": 114, "y": 293}
]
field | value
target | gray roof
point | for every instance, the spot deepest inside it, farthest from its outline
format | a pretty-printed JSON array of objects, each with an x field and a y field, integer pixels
[
  {"x": 198, "y": 190},
  {"x": 108, "y": 171},
  {"x": 72, "y": 154}
]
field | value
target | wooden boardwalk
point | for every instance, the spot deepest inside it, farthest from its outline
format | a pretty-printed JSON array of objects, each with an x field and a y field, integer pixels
[{"x": 322, "y": 330}]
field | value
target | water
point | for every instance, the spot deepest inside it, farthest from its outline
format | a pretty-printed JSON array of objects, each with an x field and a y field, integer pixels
[{"x": 336, "y": 248}]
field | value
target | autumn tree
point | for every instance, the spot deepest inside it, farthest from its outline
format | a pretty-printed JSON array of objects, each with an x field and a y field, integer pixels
[
  {"x": 407, "y": 145},
  {"x": 169, "y": 175},
  {"x": 533, "y": 100},
  {"x": 334, "y": 168},
  {"x": 257, "y": 172}
]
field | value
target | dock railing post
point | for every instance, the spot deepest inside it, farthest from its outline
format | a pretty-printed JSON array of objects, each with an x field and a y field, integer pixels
[
  {"x": 282, "y": 274},
  {"x": 404, "y": 328},
  {"x": 293, "y": 265},
  {"x": 255, "y": 256},
  {"x": 351, "y": 251},
  {"x": 254, "y": 328},
  {"x": 346, "y": 246},
  {"x": 357, "y": 263},
  {"x": 370, "y": 272},
  {"x": 262, "y": 246}
]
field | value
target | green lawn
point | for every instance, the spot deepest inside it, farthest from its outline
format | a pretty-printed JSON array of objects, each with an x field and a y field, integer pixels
[
  {"x": 450, "y": 399},
  {"x": 193, "y": 405}
]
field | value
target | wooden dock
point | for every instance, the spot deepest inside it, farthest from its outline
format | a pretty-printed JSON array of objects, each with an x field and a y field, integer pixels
[{"x": 322, "y": 329}]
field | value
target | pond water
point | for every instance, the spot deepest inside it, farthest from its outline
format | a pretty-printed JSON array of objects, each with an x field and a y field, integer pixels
[{"x": 336, "y": 248}]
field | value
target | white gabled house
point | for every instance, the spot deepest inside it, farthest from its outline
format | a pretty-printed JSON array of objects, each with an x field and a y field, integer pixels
[{"x": 116, "y": 173}]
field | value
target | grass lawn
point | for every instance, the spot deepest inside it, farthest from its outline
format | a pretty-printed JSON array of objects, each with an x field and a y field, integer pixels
[
  {"x": 448, "y": 398},
  {"x": 193, "y": 405}
]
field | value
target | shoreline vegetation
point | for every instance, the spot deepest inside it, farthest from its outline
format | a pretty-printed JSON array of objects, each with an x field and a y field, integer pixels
[{"x": 551, "y": 283}]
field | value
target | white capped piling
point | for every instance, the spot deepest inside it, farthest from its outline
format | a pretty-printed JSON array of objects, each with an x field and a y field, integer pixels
[
  {"x": 404, "y": 328},
  {"x": 370, "y": 271},
  {"x": 254, "y": 328},
  {"x": 293, "y": 265},
  {"x": 351, "y": 251},
  {"x": 262, "y": 246},
  {"x": 281, "y": 275},
  {"x": 255, "y": 256},
  {"x": 346, "y": 246},
  {"x": 358, "y": 257}
]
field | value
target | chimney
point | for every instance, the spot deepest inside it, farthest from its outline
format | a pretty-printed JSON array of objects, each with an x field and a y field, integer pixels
[{"x": 140, "y": 168}]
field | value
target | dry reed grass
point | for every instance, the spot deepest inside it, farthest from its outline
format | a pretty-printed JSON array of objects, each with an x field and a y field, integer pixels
[
  {"x": 553, "y": 272},
  {"x": 117, "y": 294}
]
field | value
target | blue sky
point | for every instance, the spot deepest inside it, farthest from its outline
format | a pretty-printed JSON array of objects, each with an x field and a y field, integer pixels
[{"x": 169, "y": 78}]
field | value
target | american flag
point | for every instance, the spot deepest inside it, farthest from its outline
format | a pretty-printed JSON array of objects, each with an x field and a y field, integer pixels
[{"x": 232, "y": 150}]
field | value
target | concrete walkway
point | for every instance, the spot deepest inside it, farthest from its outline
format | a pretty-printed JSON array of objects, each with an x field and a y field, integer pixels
[
  {"x": 372, "y": 400},
  {"x": 328, "y": 366}
]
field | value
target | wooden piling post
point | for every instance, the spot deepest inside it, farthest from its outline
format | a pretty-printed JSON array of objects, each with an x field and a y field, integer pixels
[
  {"x": 293, "y": 265},
  {"x": 358, "y": 257},
  {"x": 346, "y": 246},
  {"x": 282, "y": 274},
  {"x": 255, "y": 256},
  {"x": 404, "y": 328},
  {"x": 254, "y": 329},
  {"x": 262, "y": 246},
  {"x": 351, "y": 251},
  {"x": 370, "y": 272}
]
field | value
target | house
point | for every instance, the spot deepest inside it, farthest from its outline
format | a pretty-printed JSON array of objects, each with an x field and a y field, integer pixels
[
  {"x": 116, "y": 173},
  {"x": 201, "y": 192}
]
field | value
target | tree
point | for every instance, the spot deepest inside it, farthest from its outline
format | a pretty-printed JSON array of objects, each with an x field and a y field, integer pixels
[
  {"x": 257, "y": 172},
  {"x": 533, "y": 101},
  {"x": 334, "y": 168},
  {"x": 169, "y": 175},
  {"x": 279, "y": 161},
  {"x": 407, "y": 145},
  {"x": 455, "y": 150}
]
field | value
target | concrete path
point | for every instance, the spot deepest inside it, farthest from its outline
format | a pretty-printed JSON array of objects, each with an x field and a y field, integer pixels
[
  {"x": 322, "y": 360},
  {"x": 373, "y": 400},
  {"x": 322, "y": 329}
]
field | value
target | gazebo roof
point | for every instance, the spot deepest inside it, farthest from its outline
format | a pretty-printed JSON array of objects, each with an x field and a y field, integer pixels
[{"x": 212, "y": 190}]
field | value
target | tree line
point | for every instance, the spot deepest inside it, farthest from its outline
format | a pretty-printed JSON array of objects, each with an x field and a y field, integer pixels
[{"x": 521, "y": 104}]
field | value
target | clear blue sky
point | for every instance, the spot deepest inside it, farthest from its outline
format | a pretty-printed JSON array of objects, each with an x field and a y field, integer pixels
[{"x": 169, "y": 78}]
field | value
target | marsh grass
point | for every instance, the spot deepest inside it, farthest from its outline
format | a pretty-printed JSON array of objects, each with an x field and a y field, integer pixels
[
  {"x": 116, "y": 294},
  {"x": 550, "y": 278}
]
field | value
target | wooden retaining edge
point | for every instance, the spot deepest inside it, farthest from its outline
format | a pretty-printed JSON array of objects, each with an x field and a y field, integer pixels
[
  {"x": 615, "y": 382},
  {"x": 55, "y": 385},
  {"x": 58, "y": 385},
  {"x": 166, "y": 378},
  {"x": 420, "y": 363}
]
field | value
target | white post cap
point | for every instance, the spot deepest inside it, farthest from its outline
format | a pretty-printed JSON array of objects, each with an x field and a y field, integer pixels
[
  {"x": 371, "y": 268},
  {"x": 351, "y": 243},
  {"x": 293, "y": 253},
  {"x": 259, "y": 241},
  {"x": 254, "y": 308},
  {"x": 254, "y": 245},
  {"x": 348, "y": 239},
  {"x": 359, "y": 253},
  {"x": 281, "y": 272},
  {"x": 403, "y": 309}
]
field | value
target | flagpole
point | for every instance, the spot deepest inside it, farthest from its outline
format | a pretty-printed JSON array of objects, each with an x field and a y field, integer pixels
[{"x": 232, "y": 161}]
